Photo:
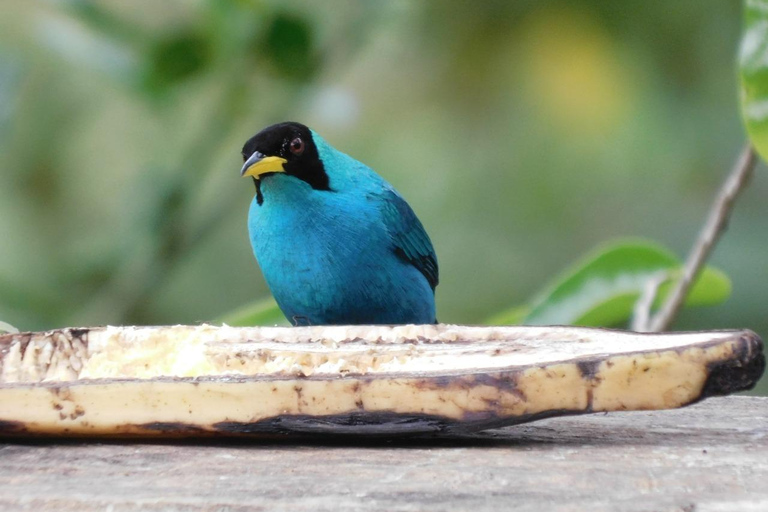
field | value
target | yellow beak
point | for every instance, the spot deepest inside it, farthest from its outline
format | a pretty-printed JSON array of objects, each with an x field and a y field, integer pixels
[{"x": 258, "y": 164}]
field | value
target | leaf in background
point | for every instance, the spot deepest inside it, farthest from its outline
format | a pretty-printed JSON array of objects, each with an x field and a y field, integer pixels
[
  {"x": 7, "y": 328},
  {"x": 511, "y": 316},
  {"x": 288, "y": 47},
  {"x": 753, "y": 68},
  {"x": 712, "y": 287},
  {"x": 262, "y": 312},
  {"x": 602, "y": 289},
  {"x": 177, "y": 58}
]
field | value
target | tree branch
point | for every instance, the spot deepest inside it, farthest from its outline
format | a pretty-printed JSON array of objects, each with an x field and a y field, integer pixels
[
  {"x": 641, "y": 315},
  {"x": 708, "y": 237}
]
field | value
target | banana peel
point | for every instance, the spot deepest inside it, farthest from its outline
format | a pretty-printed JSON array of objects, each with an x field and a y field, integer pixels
[{"x": 369, "y": 380}]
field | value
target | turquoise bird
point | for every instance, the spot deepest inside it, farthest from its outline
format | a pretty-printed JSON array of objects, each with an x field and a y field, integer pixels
[{"x": 336, "y": 243}]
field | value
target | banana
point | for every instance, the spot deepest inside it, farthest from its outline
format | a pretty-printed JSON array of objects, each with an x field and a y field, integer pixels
[{"x": 373, "y": 380}]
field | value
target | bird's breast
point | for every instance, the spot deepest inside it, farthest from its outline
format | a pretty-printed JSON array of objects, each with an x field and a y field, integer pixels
[{"x": 319, "y": 245}]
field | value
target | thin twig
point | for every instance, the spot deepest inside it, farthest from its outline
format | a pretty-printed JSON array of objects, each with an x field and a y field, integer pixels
[
  {"x": 710, "y": 233},
  {"x": 641, "y": 315}
]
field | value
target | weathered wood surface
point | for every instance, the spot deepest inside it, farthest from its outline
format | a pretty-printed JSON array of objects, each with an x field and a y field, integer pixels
[{"x": 708, "y": 457}]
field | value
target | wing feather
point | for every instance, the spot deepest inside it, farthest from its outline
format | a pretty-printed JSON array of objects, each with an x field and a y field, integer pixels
[{"x": 410, "y": 240}]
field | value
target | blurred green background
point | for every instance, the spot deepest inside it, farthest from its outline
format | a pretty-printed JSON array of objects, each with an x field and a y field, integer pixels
[{"x": 522, "y": 133}]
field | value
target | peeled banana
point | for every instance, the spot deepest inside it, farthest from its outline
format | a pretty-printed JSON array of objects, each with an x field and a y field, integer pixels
[{"x": 374, "y": 380}]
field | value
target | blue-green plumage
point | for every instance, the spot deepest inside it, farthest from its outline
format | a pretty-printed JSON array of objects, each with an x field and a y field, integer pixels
[{"x": 336, "y": 243}]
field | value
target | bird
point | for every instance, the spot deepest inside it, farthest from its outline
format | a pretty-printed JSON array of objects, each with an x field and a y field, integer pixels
[{"x": 336, "y": 243}]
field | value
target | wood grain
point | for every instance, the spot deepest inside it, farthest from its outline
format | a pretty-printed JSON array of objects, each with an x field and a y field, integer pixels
[{"x": 712, "y": 456}]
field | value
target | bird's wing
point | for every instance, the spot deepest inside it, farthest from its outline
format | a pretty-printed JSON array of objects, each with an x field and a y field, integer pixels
[{"x": 410, "y": 241}]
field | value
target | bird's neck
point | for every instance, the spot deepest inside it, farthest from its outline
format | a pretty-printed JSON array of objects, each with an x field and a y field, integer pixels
[
  {"x": 346, "y": 173},
  {"x": 286, "y": 189}
]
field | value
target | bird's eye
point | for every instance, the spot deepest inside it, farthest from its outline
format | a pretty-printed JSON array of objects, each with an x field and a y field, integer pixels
[{"x": 297, "y": 146}]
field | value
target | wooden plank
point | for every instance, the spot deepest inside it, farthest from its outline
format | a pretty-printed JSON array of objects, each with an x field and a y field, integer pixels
[{"x": 712, "y": 456}]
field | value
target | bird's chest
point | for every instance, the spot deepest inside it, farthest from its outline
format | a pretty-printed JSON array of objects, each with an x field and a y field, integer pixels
[{"x": 323, "y": 245}]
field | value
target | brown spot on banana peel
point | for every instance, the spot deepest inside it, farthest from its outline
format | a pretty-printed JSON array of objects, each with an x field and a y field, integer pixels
[
  {"x": 589, "y": 368},
  {"x": 12, "y": 427}
]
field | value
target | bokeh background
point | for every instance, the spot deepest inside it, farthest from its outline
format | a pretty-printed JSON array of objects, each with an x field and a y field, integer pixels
[{"x": 522, "y": 133}]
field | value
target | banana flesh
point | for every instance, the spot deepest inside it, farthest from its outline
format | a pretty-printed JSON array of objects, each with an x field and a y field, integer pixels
[{"x": 388, "y": 380}]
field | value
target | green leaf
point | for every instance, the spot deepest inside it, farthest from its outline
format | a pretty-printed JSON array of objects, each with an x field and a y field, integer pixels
[
  {"x": 177, "y": 58},
  {"x": 602, "y": 289},
  {"x": 511, "y": 316},
  {"x": 753, "y": 70},
  {"x": 712, "y": 287},
  {"x": 7, "y": 328},
  {"x": 288, "y": 47},
  {"x": 262, "y": 312}
]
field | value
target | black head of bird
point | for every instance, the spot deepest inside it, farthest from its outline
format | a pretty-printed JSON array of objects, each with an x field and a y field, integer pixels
[{"x": 285, "y": 147}]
